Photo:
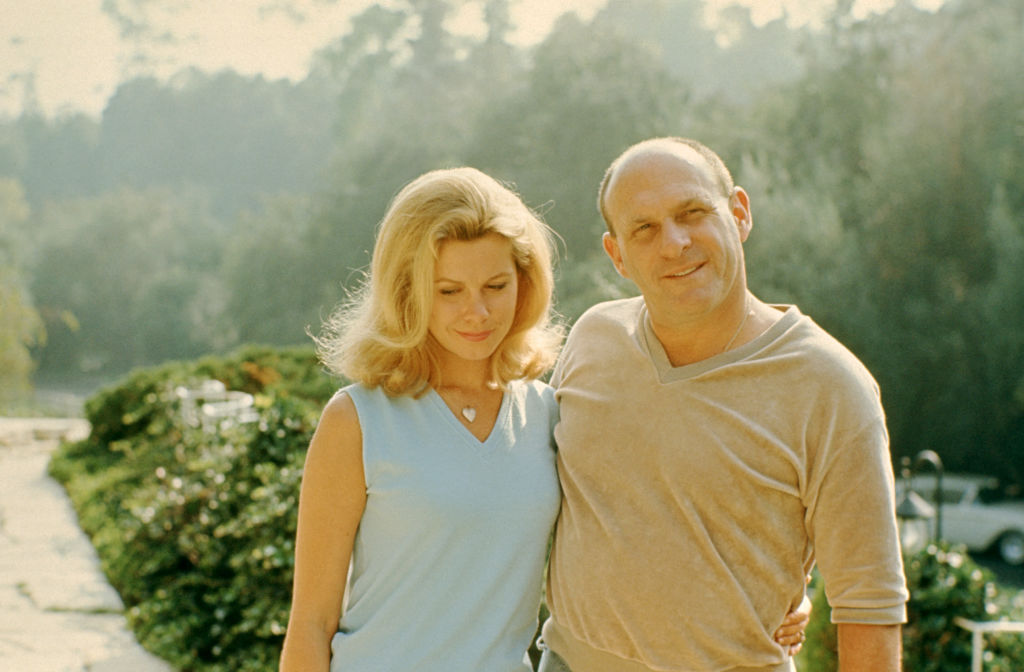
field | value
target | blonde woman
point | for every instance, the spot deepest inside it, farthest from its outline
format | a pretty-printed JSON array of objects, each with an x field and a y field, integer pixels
[
  {"x": 433, "y": 475},
  {"x": 435, "y": 472}
]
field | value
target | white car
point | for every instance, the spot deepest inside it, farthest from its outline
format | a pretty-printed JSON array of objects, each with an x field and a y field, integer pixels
[{"x": 973, "y": 514}]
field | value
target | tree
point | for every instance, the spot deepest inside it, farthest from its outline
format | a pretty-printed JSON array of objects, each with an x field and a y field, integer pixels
[
  {"x": 53, "y": 158},
  {"x": 943, "y": 200},
  {"x": 587, "y": 95},
  {"x": 799, "y": 251},
  {"x": 990, "y": 364},
  {"x": 407, "y": 105},
  {"x": 127, "y": 267},
  {"x": 905, "y": 121},
  {"x": 272, "y": 296},
  {"x": 20, "y": 325},
  {"x": 233, "y": 137}
]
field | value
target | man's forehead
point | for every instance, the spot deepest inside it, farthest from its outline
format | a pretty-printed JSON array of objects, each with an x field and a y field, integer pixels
[
  {"x": 683, "y": 171},
  {"x": 660, "y": 154}
]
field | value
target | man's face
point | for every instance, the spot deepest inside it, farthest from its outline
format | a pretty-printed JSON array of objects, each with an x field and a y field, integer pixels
[{"x": 677, "y": 236}]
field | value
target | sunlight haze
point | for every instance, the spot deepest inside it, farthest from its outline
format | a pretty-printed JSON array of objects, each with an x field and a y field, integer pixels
[{"x": 70, "y": 55}]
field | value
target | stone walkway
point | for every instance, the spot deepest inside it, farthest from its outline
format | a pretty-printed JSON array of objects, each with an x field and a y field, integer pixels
[{"x": 57, "y": 611}]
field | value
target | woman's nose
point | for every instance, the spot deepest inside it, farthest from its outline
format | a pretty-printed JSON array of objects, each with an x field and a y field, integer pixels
[{"x": 478, "y": 306}]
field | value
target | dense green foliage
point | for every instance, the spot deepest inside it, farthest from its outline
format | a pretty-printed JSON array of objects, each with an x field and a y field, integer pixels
[
  {"x": 195, "y": 525},
  {"x": 882, "y": 156},
  {"x": 944, "y": 583}
]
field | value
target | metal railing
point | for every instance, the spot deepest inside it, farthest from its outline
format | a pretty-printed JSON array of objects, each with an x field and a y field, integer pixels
[
  {"x": 211, "y": 405},
  {"x": 978, "y": 631}
]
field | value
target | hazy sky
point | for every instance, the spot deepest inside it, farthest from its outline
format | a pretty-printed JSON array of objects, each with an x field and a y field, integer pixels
[{"x": 78, "y": 55}]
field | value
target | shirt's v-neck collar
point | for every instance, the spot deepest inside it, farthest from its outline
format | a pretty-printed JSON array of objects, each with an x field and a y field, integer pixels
[
  {"x": 460, "y": 428},
  {"x": 670, "y": 374}
]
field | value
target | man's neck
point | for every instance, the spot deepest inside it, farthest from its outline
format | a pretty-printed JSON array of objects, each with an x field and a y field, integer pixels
[{"x": 689, "y": 343}]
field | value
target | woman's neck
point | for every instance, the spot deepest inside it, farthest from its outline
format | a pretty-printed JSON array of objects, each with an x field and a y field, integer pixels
[{"x": 464, "y": 375}]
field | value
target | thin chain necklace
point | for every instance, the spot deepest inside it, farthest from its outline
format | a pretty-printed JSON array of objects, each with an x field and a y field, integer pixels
[
  {"x": 469, "y": 410},
  {"x": 748, "y": 313}
]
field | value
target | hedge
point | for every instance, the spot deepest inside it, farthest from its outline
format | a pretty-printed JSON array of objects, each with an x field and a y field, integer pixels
[{"x": 195, "y": 528}]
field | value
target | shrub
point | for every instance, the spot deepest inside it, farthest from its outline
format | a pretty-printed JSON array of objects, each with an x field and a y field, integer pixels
[
  {"x": 944, "y": 583},
  {"x": 213, "y": 529},
  {"x": 195, "y": 528},
  {"x": 139, "y": 403}
]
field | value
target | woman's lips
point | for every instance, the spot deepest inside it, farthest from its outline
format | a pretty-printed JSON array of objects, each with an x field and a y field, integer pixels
[{"x": 475, "y": 336}]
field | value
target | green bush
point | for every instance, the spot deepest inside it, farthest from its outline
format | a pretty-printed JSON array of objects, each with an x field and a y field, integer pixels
[
  {"x": 944, "y": 583},
  {"x": 194, "y": 527},
  {"x": 139, "y": 403}
]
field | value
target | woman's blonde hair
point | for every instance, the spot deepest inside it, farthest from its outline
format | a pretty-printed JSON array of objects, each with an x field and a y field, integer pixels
[{"x": 379, "y": 337}]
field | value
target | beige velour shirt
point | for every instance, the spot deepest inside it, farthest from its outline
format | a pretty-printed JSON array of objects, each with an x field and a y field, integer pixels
[{"x": 697, "y": 499}]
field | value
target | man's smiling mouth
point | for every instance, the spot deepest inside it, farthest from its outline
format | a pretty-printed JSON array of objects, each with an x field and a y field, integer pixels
[{"x": 685, "y": 272}]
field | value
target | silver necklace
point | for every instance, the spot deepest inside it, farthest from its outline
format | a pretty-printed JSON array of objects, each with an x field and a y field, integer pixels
[
  {"x": 469, "y": 410},
  {"x": 748, "y": 313}
]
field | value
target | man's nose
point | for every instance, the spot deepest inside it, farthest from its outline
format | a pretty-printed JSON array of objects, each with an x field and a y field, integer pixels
[{"x": 675, "y": 238}]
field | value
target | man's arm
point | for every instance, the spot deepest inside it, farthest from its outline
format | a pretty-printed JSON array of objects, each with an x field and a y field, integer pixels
[{"x": 870, "y": 648}]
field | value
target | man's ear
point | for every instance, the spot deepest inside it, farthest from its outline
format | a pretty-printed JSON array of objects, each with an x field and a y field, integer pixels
[
  {"x": 611, "y": 248},
  {"x": 739, "y": 206}
]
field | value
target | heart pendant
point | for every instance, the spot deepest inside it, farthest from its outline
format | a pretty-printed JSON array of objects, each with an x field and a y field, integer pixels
[{"x": 469, "y": 413}]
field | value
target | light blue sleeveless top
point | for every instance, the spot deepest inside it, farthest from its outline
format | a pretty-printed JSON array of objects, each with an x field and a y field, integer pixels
[{"x": 449, "y": 556}]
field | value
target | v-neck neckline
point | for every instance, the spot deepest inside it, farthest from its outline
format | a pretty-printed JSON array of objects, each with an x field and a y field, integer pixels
[
  {"x": 671, "y": 374},
  {"x": 452, "y": 419}
]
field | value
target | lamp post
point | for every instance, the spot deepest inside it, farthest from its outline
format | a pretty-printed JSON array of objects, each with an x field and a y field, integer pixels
[
  {"x": 932, "y": 458},
  {"x": 913, "y": 512},
  {"x": 913, "y": 507}
]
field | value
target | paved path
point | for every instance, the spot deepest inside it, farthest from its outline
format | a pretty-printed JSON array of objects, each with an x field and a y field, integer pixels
[{"x": 57, "y": 611}]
